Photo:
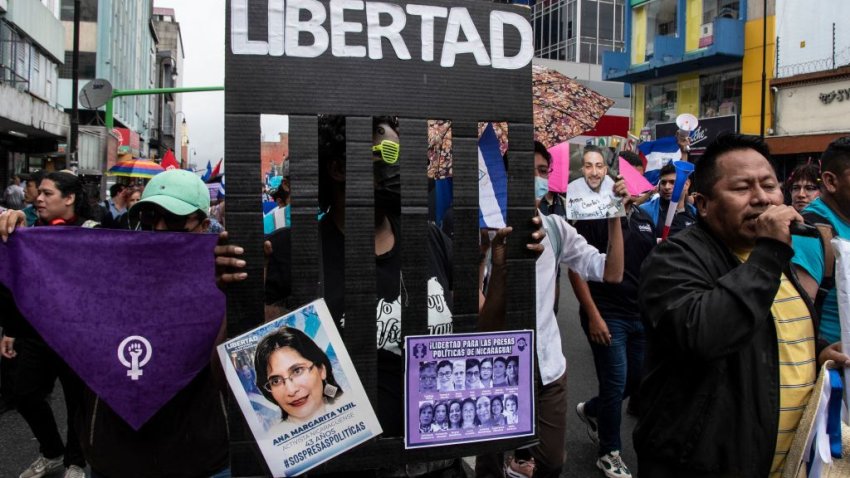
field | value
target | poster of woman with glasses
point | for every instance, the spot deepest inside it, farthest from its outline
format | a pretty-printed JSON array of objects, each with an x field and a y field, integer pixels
[{"x": 306, "y": 404}]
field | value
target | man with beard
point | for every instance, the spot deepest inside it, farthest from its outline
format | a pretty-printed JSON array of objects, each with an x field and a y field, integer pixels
[
  {"x": 592, "y": 195},
  {"x": 733, "y": 347}
]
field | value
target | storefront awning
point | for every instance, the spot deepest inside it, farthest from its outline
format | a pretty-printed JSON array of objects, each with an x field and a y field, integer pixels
[{"x": 808, "y": 143}]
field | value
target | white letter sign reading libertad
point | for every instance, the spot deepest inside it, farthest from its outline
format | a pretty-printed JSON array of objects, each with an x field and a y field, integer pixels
[
  {"x": 286, "y": 24},
  {"x": 139, "y": 349}
]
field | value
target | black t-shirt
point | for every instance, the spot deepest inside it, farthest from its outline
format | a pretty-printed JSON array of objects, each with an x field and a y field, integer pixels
[
  {"x": 388, "y": 305},
  {"x": 620, "y": 300},
  {"x": 388, "y": 280},
  {"x": 556, "y": 207}
]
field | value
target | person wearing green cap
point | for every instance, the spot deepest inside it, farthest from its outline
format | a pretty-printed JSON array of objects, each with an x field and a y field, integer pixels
[
  {"x": 188, "y": 436},
  {"x": 175, "y": 200}
]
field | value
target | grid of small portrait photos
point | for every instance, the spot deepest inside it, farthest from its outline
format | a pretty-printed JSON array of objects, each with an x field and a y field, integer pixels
[{"x": 468, "y": 388}]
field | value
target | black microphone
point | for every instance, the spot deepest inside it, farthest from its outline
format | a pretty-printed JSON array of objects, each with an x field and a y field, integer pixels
[{"x": 803, "y": 229}]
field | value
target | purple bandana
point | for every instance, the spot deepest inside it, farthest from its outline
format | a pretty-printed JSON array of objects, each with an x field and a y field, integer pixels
[{"x": 135, "y": 314}]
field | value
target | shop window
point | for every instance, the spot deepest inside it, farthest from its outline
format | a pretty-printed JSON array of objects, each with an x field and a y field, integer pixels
[
  {"x": 720, "y": 94},
  {"x": 661, "y": 104}
]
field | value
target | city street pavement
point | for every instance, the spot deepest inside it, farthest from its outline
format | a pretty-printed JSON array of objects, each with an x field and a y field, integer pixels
[
  {"x": 581, "y": 386},
  {"x": 18, "y": 449}
]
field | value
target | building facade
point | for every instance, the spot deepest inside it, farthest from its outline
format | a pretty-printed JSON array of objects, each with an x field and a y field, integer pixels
[
  {"x": 167, "y": 132},
  {"x": 810, "y": 91},
  {"x": 685, "y": 56},
  {"x": 31, "y": 53},
  {"x": 570, "y": 37},
  {"x": 117, "y": 43},
  {"x": 578, "y": 30}
]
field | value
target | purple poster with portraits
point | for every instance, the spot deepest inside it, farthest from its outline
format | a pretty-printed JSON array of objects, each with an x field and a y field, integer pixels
[{"x": 465, "y": 388}]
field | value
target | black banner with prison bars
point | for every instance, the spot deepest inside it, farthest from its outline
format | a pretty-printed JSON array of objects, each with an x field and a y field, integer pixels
[{"x": 485, "y": 76}]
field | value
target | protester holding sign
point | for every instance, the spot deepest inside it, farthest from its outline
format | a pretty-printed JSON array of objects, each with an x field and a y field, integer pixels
[
  {"x": 733, "y": 343},
  {"x": 611, "y": 321},
  {"x": 563, "y": 245}
]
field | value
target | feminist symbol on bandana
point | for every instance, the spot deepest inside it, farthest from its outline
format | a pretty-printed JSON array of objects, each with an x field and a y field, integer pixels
[{"x": 135, "y": 345}]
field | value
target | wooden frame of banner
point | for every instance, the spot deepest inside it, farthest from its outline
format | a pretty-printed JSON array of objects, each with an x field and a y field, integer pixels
[{"x": 357, "y": 88}]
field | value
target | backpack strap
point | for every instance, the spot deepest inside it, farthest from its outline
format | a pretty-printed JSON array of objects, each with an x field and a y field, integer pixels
[{"x": 827, "y": 232}]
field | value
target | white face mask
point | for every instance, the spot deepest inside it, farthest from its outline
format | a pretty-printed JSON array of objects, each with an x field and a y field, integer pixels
[{"x": 541, "y": 187}]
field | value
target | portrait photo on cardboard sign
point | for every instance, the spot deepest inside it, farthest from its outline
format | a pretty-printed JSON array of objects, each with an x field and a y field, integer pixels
[
  {"x": 298, "y": 390},
  {"x": 467, "y": 388},
  {"x": 590, "y": 193}
]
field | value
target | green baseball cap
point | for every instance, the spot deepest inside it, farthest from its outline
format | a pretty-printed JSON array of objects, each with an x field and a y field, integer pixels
[{"x": 177, "y": 191}]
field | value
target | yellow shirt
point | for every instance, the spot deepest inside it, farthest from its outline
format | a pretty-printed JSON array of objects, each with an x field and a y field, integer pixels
[{"x": 797, "y": 369}]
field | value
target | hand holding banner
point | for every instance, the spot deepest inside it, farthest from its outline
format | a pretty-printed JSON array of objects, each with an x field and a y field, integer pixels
[
  {"x": 683, "y": 170},
  {"x": 135, "y": 344}
]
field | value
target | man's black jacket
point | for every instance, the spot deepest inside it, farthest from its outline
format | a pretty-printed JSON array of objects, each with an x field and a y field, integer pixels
[{"x": 710, "y": 396}]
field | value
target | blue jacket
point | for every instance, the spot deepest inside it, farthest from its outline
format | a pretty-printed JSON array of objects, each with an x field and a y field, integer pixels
[{"x": 653, "y": 209}]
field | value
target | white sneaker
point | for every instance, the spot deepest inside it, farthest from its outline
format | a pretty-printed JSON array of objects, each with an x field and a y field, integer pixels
[
  {"x": 612, "y": 465},
  {"x": 74, "y": 471},
  {"x": 42, "y": 466},
  {"x": 590, "y": 423}
]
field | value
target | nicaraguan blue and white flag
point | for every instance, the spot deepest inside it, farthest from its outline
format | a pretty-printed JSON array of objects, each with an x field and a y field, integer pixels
[
  {"x": 492, "y": 181},
  {"x": 656, "y": 154}
]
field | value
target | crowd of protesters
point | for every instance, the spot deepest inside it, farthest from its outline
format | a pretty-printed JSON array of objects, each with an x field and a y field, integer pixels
[{"x": 714, "y": 335}]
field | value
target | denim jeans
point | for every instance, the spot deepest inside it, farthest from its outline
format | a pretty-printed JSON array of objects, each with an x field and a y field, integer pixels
[{"x": 618, "y": 370}]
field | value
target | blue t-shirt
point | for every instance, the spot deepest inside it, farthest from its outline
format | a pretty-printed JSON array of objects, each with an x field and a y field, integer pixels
[{"x": 808, "y": 254}]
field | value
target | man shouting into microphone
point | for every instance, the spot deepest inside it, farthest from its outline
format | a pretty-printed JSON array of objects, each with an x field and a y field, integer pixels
[{"x": 733, "y": 348}]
